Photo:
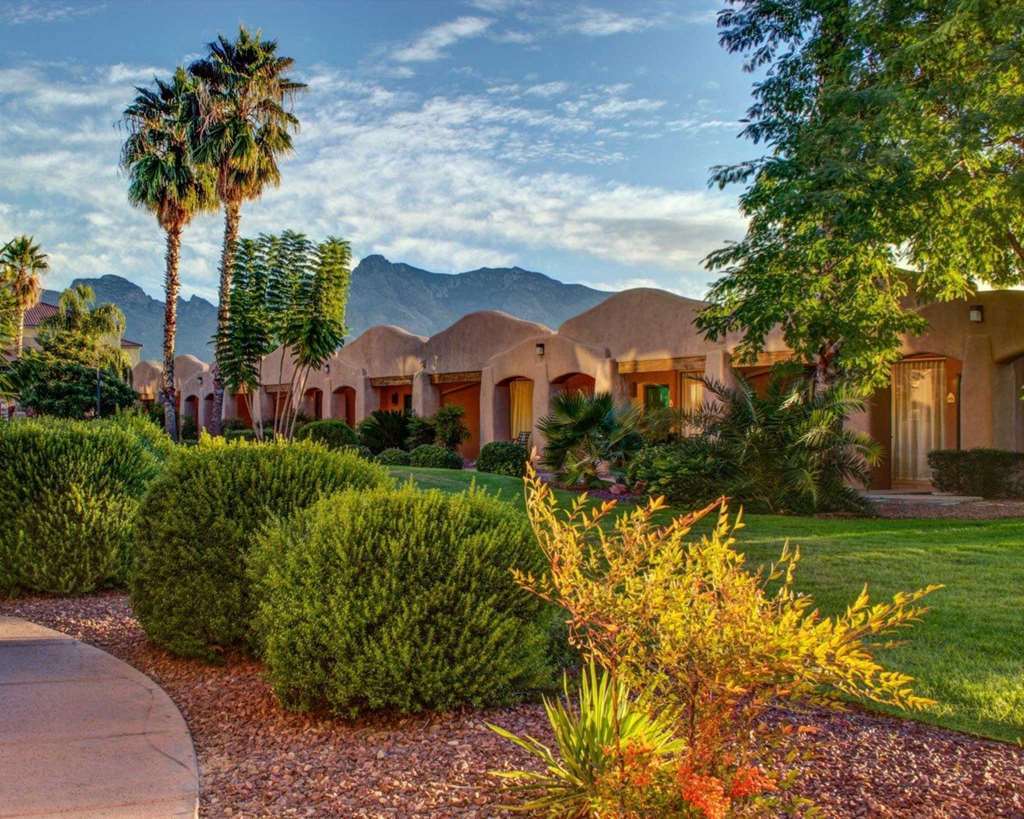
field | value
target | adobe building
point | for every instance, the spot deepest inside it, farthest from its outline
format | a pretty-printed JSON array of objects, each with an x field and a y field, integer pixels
[{"x": 958, "y": 385}]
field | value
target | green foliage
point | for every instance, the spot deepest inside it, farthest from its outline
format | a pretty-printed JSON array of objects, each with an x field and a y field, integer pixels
[
  {"x": 69, "y": 491},
  {"x": 197, "y": 524},
  {"x": 503, "y": 458},
  {"x": 151, "y": 436},
  {"x": 579, "y": 777},
  {"x": 22, "y": 264},
  {"x": 785, "y": 451},
  {"x": 449, "y": 428},
  {"x": 81, "y": 331},
  {"x": 288, "y": 293},
  {"x": 407, "y": 603},
  {"x": 436, "y": 457},
  {"x": 891, "y": 166},
  {"x": 331, "y": 432},
  {"x": 420, "y": 431},
  {"x": 393, "y": 457},
  {"x": 64, "y": 389},
  {"x": 988, "y": 473},
  {"x": 382, "y": 430},
  {"x": 587, "y": 434}
]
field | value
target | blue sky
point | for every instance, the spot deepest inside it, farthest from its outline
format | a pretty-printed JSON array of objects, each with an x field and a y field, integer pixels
[{"x": 572, "y": 138}]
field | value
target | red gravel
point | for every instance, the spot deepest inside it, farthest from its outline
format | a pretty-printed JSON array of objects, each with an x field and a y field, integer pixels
[{"x": 257, "y": 760}]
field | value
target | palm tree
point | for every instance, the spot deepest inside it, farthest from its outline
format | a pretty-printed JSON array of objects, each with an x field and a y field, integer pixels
[
  {"x": 23, "y": 263},
  {"x": 164, "y": 179},
  {"x": 242, "y": 127},
  {"x": 81, "y": 331}
]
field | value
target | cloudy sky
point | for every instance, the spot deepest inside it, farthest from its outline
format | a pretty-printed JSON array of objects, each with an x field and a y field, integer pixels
[{"x": 571, "y": 138}]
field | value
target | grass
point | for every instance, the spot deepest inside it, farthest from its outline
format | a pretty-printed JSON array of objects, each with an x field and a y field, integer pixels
[{"x": 967, "y": 654}]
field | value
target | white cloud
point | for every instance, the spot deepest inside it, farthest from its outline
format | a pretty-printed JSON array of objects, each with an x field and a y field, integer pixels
[
  {"x": 548, "y": 89},
  {"x": 40, "y": 11},
  {"x": 431, "y": 43},
  {"x": 594, "y": 22},
  {"x": 616, "y": 107}
]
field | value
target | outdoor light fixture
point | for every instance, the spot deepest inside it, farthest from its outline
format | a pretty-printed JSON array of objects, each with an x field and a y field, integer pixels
[
  {"x": 977, "y": 313},
  {"x": 540, "y": 349},
  {"x": 327, "y": 368},
  {"x": 200, "y": 379}
]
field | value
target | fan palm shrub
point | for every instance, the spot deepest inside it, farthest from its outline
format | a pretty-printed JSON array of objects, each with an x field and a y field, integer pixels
[
  {"x": 787, "y": 450},
  {"x": 164, "y": 179},
  {"x": 242, "y": 126},
  {"x": 587, "y": 434},
  {"x": 382, "y": 430}
]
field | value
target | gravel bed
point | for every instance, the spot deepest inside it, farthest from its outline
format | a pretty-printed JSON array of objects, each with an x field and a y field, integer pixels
[
  {"x": 257, "y": 760},
  {"x": 968, "y": 510}
]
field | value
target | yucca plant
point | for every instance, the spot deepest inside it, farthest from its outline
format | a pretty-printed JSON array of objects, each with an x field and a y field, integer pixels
[{"x": 589, "y": 738}]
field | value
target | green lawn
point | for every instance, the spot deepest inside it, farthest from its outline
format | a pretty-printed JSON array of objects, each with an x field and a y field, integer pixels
[{"x": 968, "y": 654}]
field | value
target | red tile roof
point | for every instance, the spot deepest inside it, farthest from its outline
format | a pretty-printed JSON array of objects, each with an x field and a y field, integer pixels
[{"x": 37, "y": 312}]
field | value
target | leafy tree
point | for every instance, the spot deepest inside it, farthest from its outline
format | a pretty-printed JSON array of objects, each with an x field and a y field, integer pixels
[
  {"x": 891, "y": 172},
  {"x": 449, "y": 429},
  {"x": 81, "y": 331},
  {"x": 164, "y": 179},
  {"x": 22, "y": 264},
  {"x": 242, "y": 126},
  {"x": 286, "y": 293},
  {"x": 65, "y": 389}
]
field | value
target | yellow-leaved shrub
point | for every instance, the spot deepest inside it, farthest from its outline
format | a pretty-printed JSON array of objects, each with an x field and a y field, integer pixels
[{"x": 704, "y": 643}]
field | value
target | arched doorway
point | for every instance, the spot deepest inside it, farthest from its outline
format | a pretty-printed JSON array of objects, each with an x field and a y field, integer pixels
[
  {"x": 513, "y": 407},
  {"x": 207, "y": 410},
  {"x": 313, "y": 404},
  {"x": 343, "y": 405},
  {"x": 191, "y": 411},
  {"x": 464, "y": 394},
  {"x": 574, "y": 382}
]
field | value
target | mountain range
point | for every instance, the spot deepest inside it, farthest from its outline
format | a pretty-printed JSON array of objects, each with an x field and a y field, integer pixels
[{"x": 382, "y": 292}]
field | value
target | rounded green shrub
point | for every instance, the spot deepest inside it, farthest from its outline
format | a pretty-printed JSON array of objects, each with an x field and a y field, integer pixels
[
  {"x": 437, "y": 457},
  {"x": 69, "y": 491},
  {"x": 151, "y": 435},
  {"x": 503, "y": 458},
  {"x": 197, "y": 524},
  {"x": 333, "y": 433},
  {"x": 400, "y": 599},
  {"x": 393, "y": 457}
]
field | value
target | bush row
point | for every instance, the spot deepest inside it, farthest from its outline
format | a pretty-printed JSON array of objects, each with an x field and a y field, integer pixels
[{"x": 989, "y": 473}]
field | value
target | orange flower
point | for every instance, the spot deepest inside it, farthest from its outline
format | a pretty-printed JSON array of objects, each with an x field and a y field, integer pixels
[
  {"x": 706, "y": 793},
  {"x": 750, "y": 781}
]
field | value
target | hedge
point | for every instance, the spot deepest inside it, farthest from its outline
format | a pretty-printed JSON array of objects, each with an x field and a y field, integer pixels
[
  {"x": 407, "y": 603},
  {"x": 988, "y": 473},
  {"x": 437, "y": 457},
  {"x": 332, "y": 432},
  {"x": 393, "y": 457},
  {"x": 198, "y": 522},
  {"x": 69, "y": 491},
  {"x": 503, "y": 458}
]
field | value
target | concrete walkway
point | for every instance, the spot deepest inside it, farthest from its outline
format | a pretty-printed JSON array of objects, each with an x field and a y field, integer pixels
[{"x": 82, "y": 734}]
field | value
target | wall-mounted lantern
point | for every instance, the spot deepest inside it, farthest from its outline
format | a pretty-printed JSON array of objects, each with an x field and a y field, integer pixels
[
  {"x": 539, "y": 347},
  {"x": 327, "y": 368},
  {"x": 200, "y": 380},
  {"x": 977, "y": 313}
]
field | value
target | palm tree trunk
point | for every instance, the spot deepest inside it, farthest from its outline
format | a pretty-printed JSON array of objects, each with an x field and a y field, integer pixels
[
  {"x": 232, "y": 215},
  {"x": 19, "y": 339},
  {"x": 171, "y": 285}
]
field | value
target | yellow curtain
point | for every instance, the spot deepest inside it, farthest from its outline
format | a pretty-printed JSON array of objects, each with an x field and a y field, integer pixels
[
  {"x": 918, "y": 388},
  {"x": 691, "y": 393},
  {"x": 520, "y": 407}
]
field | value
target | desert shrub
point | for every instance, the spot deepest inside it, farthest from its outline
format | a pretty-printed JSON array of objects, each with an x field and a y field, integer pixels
[
  {"x": 331, "y": 432},
  {"x": 419, "y": 431},
  {"x": 241, "y": 435},
  {"x": 786, "y": 451},
  {"x": 384, "y": 430},
  {"x": 407, "y": 603},
  {"x": 704, "y": 643},
  {"x": 69, "y": 491},
  {"x": 152, "y": 436},
  {"x": 449, "y": 428},
  {"x": 189, "y": 428},
  {"x": 233, "y": 424},
  {"x": 587, "y": 434},
  {"x": 393, "y": 457},
  {"x": 503, "y": 458},
  {"x": 436, "y": 457},
  {"x": 198, "y": 522},
  {"x": 988, "y": 473}
]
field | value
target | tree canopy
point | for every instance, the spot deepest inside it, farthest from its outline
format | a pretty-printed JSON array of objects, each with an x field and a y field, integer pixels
[{"x": 892, "y": 172}]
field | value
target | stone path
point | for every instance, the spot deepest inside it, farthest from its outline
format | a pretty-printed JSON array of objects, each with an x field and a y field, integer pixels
[{"x": 82, "y": 734}]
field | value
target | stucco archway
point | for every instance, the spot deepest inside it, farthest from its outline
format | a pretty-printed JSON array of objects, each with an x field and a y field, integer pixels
[{"x": 343, "y": 405}]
